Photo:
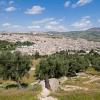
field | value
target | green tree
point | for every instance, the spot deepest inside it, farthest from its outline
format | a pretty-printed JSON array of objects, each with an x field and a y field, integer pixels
[
  {"x": 14, "y": 66},
  {"x": 96, "y": 63},
  {"x": 61, "y": 64},
  {"x": 36, "y": 55},
  {"x": 53, "y": 66},
  {"x": 77, "y": 64}
]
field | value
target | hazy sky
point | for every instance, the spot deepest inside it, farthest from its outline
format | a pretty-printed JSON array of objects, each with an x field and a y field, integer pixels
[{"x": 49, "y": 15}]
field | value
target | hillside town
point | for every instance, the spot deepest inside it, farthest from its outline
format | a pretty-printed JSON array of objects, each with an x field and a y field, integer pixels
[{"x": 46, "y": 44}]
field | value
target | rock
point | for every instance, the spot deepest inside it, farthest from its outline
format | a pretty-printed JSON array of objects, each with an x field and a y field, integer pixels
[
  {"x": 45, "y": 92},
  {"x": 54, "y": 83}
]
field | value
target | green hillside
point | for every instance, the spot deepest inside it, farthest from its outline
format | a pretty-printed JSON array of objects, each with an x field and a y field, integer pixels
[{"x": 92, "y": 34}]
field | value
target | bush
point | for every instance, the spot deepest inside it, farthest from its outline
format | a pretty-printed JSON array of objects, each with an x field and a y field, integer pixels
[
  {"x": 24, "y": 85},
  {"x": 11, "y": 86},
  {"x": 61, "y": 64},
  {"x": 14, "y": 66},
  {"x": 5, "y": 45},
  {"x": 37, "y": 87}
]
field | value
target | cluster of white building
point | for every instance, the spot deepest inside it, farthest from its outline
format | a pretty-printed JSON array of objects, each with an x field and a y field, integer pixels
[{"x": 46, "y": 45}]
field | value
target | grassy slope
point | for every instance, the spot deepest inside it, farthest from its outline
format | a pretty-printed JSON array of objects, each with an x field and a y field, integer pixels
[
  {"x": 89, "y": 35},
  {"x": 92, "y": 94},
  {"x": 25, "y": 94},
  {"x": 13, "y": 94},
  {"x": 79, "y": 95}
]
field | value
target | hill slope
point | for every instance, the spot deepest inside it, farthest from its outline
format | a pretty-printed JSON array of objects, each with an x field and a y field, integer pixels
[{"x": 92, "y": 34}]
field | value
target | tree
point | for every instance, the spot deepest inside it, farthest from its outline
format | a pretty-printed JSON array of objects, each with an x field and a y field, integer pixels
[
  {"x": 61, "y": 64},
  {"x": 96, "y": 63},
  {"x": 5, "y": 64},
  {"x": 53, "y": 66},
  {"x": 77, "y": 64},
  {"x": 94, "y": 59},
  {"x": 42, "y": 71},
  {"x": 5, "y": 45},
  {"x": 14, "y": 66},
  {"x": 36, "y": 55}
]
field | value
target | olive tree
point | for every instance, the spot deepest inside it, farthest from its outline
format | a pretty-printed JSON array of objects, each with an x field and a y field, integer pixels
[
  {"x": 14, "y": 66},
  {"x": 53, "y": 66},
  {"x": 60, "y": 64}
]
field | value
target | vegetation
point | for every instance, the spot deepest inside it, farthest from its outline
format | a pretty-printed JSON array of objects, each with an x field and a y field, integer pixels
[
  {"x": 14, "y": 66},
  {"x": 26, "y": 43},
  {"x": 36, "y": 55},
  {"x": 14, "y": 94},
  {"x": 91, "y": 34},
  {"x": 8, "y": 46},
  {"x": 5, "y": 45},
  {"x": 64, "y": 64},
  {"x": 79, "y": 95},
  {"x": 59, "y": 64}
]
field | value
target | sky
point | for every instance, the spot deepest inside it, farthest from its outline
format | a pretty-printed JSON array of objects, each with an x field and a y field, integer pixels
[{"x": 49, "y": 15}]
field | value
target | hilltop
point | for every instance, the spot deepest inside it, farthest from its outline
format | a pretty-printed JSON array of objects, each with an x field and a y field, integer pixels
[
  {"x": 95, "y": 29},
  {"x": 92, "y": 34}
]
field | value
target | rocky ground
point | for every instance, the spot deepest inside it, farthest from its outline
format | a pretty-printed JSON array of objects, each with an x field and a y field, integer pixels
[{"x": 83, "y": 82}]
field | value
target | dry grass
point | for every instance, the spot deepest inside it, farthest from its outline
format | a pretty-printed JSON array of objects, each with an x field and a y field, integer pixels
[
  {"x": 24, "y": 94},
  {"x": 78, "y": 95},
  {"x": 15, "y": 94},
  {"x": 91, "y": 71},
  {"x": 35, "y": 62}
]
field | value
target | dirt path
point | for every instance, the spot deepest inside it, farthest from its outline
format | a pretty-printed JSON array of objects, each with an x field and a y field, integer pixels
[
  {"x": 92, "y": 79},
  {"x": 82, "y": 75},
  {"x": 73, "y": 88},
  {"x": 45, "y": 92}
]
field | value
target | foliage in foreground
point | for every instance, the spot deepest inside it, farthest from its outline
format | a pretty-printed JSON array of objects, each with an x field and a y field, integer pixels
[
  {"x": 64, "y": 64},
  {"x": 59, "y": 65},
  {"x": 5, "y": 45},
  {"x": 14, "y": 66}
]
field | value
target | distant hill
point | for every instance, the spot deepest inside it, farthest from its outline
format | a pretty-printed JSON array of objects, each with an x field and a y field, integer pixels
[
  {"x": 95, "y": 29},
  {"x": 92, "y": 34}
]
